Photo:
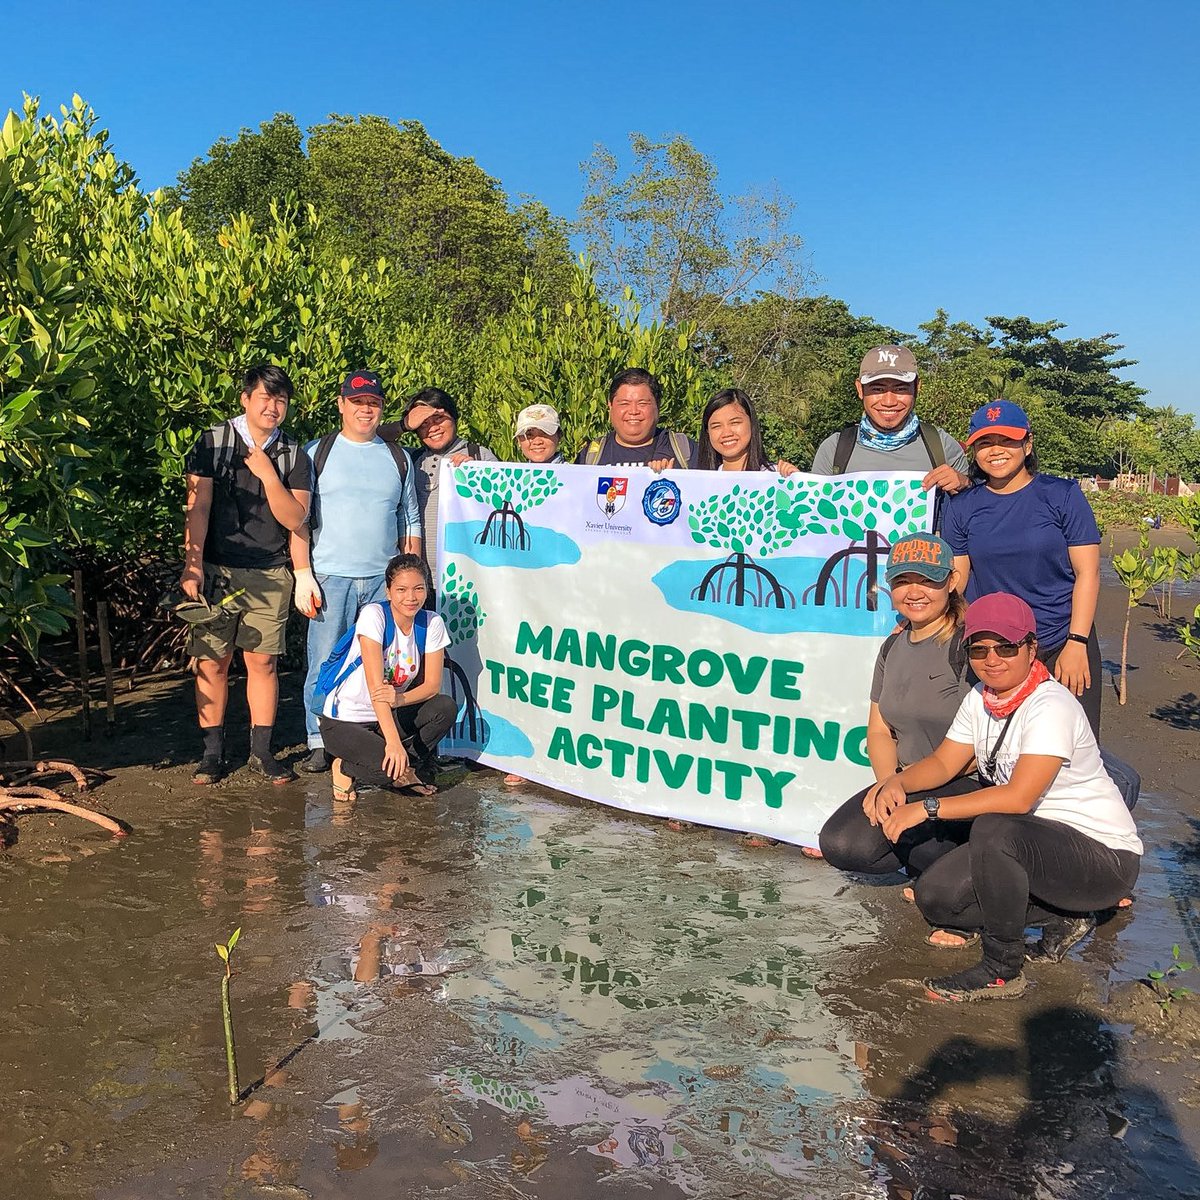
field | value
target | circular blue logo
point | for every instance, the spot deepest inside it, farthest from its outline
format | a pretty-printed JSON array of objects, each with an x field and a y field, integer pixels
[{"x": 661, "y": 502}]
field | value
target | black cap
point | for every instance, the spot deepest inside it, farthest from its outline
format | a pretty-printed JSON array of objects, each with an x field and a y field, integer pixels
[{"x": 363, "y": 383}]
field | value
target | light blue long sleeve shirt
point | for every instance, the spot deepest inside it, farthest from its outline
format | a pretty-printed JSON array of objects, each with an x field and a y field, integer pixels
[{"x": 363, "y": 512}]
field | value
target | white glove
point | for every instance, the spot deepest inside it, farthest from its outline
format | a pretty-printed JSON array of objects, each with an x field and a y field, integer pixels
[{"x": 308, "y": 592}]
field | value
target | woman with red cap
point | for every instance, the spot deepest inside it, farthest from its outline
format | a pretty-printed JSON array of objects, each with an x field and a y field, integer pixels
[
  {"x": 1051, "y": 840},
  {"x": 1035, "y": 536}
]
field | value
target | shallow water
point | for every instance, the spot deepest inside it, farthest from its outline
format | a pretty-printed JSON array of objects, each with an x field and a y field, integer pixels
[{"x": 491, "y": 993}]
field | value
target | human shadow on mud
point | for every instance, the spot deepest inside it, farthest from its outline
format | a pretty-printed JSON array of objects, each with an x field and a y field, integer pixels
[
  {"x": 1184, "y": 713},
  {"x": 1081, "y": 1132}
]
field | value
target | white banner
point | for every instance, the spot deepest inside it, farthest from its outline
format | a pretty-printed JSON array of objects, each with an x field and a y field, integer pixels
[{"x": 696, "y": 644}]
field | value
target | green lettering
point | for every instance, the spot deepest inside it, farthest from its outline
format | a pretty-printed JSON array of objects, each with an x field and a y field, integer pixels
[
  {"x": 705, "y": 668},
  {"x": 495, "y": 670},
  {"x": 745, "y": 676},
  {"x": 601, "y": 650},
  {"x": 604, "y": 698},
  {"x": 560, "y": 700},
  {"x": 674, "y": 771},
  {"x": 529, "y": 642},
  {"x": 773, "y": 784},
  {"x": 825, "y": 742},
  {"x": 539, "y": 689},
  {"x": 562, "y": 746},
  {"x": 734, "y": 773},
  {"x": 667, "y": 661},
  {"x": 666, "y": 715},
  {"x": 629, "y": 718},
  {"x": 711, "y": 723},
  {"x": 518, "y": 685},
  {"x": 855, "y": 745},
  {"x": 568, "y": 649},
  {"x": 620, "y": 752},
  {"x": 634, "y": 666},
  {"x": 589, "y": 751},
  {"x": 784, "y": 674},
  {"x": 752, "y": 723}
]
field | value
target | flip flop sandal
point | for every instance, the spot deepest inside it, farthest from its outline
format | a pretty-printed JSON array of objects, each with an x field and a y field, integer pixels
[
  {"x": 421, "y": 789},
  {"x": 345, "y": 794},
  {"x": 969, "y": 939}
]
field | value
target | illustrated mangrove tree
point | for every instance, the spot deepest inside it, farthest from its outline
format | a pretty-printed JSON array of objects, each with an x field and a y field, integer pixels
[
  {"x": 744, "y": 521},
  {"x": 509, "y": 491},
  {"x": 458, "y": 603}
]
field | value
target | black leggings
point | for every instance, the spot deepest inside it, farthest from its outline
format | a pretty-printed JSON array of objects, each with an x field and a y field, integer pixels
[
  {"x": 1018, "y": 870},
  {"x": 361, "y": 746},
  {"x": 851, "y": 843},
  {"x": 1091, "y": 694}
]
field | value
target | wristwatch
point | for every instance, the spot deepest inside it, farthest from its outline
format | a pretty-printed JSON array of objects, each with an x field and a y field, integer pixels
[
  {"x": 1077, "y": 637},
  {"x": 932, "y": 804}
]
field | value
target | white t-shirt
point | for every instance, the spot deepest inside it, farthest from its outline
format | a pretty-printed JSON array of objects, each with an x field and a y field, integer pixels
[
  {"x": 400, "y": 662},
  {"x": 1052, "y": 722}
]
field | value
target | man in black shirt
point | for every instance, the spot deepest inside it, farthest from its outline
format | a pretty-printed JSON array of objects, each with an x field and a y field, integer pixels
[
  {"x": 635, "y": 439},
  {"x": 248, "y": 487}
]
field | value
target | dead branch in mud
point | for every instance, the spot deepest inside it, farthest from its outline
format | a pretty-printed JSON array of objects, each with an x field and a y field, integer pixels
[{"x": 18, "y": 795}]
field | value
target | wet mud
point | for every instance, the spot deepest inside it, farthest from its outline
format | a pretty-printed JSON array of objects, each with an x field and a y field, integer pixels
[{"x": 499, "y": 992}]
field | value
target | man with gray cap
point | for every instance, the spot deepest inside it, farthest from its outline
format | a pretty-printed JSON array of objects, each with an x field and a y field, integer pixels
[{"x": 890, "y": 436}]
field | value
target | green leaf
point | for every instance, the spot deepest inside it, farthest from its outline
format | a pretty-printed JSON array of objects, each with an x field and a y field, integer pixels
[{"x": 222, "y": 952}]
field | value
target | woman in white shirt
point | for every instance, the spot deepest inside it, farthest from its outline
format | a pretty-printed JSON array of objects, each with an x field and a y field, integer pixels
[
  {"x": 1051, "y": 840},
  {"x": 388, "y": 713}
]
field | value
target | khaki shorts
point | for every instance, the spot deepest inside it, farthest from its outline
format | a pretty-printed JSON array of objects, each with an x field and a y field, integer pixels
[{"x": 255, "y": 621}]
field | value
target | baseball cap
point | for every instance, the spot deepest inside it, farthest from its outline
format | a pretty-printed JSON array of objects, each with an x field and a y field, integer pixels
[
  {"x": 888, "y": 362},
  {"x": 363, "y": 383},
  {"x": 923, "y": 554},
  {"x": 537, "y": 416},
  {"x": 1000, "y": 416},
  {"x": 1005, "y": 615}
]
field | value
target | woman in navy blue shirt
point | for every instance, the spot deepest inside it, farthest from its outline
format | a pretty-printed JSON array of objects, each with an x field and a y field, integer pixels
[{"x": 1034, "y": 536}]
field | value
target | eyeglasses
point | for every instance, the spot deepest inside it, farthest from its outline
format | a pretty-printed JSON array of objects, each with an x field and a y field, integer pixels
[{"x": 977, "y": 653}]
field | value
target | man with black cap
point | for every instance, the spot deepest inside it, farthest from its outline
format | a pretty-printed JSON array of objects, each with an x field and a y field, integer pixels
[
  {"x": 433, "y": 416},
  {"x": 890, "y": 436},
  {"x": 364, "y": 511}
]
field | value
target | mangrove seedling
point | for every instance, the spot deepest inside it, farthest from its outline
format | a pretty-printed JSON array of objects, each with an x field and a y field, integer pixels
[
  {"x": 225, "y": 953},
  {"x": 1162, "y": 981},
  {"x": 1139, "y": 574}
]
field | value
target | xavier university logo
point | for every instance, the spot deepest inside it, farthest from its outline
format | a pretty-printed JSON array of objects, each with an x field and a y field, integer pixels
[
  {"x": 660, "y": 502},
  {"x": 610, "y": 495}
]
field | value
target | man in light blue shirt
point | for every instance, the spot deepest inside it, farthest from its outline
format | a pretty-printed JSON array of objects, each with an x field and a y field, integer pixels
[{"x": 364, "y": 511}]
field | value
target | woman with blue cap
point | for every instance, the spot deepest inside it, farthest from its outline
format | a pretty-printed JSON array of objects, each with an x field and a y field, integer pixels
[{"x": 1035, "y": 536}]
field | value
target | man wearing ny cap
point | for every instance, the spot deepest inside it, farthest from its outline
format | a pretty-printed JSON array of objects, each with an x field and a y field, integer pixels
[
  {"x": 890, "y": 436},
  {"x": 432, "y": 415},
  {"x": 364, "y": 511},
  {"x": 538, "y": 434}
]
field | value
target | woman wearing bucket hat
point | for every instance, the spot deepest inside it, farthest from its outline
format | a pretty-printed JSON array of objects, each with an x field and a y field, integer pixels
[
  {"x": 1051, "y": 840},
  {"x": 1035, "y": 536},
  {"x": 920, "y": 679}
]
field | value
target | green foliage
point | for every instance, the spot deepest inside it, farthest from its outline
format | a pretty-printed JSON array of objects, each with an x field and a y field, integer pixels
[
  {"x": 1162, "y": 981},
  {"x": 1189, "y": 634},
  {"x": 519, "y": 488},
  {"x": 850, "y": 507},
  {"x": 458, "y": 603},
  {"x": 247, "y": 175},
  {"x": 565, "y": 355},
  {"x": 1117, "y": 509},
  {"x": 744, "y": 520}
]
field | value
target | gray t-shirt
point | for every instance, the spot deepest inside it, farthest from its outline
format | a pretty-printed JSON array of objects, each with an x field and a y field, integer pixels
[
  {"x": 918, "y": 690},
  {"x": 428, "y": 463},
  {"x": 913, "y": 457}
]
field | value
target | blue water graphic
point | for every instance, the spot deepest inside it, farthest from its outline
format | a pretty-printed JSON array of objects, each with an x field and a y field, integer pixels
[
  {"x": 500, "y": 737},
  {"x": 680, "y": 579},
  {"x": 547, "y": 547}
]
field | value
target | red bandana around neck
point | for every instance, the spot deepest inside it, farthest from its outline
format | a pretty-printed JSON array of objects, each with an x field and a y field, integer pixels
[{"x": 1003, "y": 708}]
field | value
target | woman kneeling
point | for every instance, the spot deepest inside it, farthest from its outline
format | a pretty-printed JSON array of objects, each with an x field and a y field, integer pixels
[
  {"x": 1051, "y": 842},
  {"x": 388, "y": 714},
  {"x": 920, "y": 679}
]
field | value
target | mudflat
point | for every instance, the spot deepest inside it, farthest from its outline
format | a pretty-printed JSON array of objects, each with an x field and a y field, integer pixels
[{"x": 499, "y": 992}]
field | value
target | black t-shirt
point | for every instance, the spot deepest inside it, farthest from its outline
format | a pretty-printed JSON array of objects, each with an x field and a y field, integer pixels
[
  {"x": 613, "y": 454},
  {"x": 242, "y": 530}
]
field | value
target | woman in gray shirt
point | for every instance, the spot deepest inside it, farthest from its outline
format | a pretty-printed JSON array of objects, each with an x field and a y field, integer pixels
[{"x": 920, "y": 679}]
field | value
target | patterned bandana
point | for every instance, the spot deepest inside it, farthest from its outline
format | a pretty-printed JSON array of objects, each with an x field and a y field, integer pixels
[
  {"x": 876, "y": 439},
  {"x": 1003, "y": 708}
]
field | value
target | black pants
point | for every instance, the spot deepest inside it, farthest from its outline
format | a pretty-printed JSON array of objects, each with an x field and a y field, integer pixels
[
  {"x": 1091, "y": 694},
  {"x": 851, "y": 843},
  {"x": 361, "y": 746},
  {"x": 1018, "y": 870}
]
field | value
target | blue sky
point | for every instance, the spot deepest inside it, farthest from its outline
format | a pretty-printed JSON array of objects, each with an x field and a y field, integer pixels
[{"x": 1025, "y": 158}]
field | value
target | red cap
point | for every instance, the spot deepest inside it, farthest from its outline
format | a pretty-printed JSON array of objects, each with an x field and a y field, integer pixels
[{"x": 999, "y": 613}]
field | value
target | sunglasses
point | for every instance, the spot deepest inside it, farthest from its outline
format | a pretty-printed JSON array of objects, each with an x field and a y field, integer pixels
[{"x": 1002, "y": 650}]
